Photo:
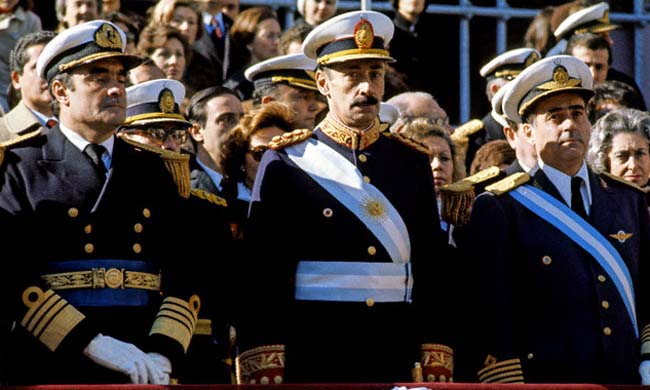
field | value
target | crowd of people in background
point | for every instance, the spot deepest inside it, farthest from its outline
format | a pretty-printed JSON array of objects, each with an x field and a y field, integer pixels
[{"x": 186, "y": 130}]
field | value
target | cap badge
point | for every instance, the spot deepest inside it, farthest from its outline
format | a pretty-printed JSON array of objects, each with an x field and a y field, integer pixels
[
  {"x": 561, "y": 79},
  {"x": 364, "y": 34},
  {"x": 107, "y": 37},
  {"x": 166, "y": 101}
]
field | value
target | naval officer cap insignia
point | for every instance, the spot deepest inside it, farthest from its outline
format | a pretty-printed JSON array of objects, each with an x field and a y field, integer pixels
[
  {"x": 592, "y": 19},
  {"x": 350, "y": 36},
  {"x": 155, "y": 101},
  {"x": 293, "y": 69},
  {"x": 509, "y": 64},
  {"x": 547, "y": 77},
  {"x": 83, "y": 44}
]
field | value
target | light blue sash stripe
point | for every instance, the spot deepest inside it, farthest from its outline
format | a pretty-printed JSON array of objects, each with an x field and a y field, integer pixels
[
  {"x": 344, "y": 181},
  {"x": 583, "y": 234},
  {"x": 353, "y": 281}
]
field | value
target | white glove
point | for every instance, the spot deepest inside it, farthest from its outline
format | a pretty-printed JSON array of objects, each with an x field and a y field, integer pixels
[
  {"x": 644, "y": 371},
  {"x": 125, "y": 358},
  {"x": 164, "y": 365}
]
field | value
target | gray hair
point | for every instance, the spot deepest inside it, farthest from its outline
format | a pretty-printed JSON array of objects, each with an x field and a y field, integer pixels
[{"x": 624, "y": 120}]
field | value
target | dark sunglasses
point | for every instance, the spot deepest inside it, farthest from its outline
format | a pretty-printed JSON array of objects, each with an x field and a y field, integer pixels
[{"x": 257, "y": 152}]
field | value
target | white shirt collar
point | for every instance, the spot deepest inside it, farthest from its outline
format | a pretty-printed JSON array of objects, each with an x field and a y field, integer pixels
[
  {"x": 562, "y": 182},
  {"x": 80, "y": 143}
]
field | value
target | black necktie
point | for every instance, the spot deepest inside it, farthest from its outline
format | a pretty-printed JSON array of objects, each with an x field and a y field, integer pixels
[
  {"x": 577, "y": 204},
  {"x": 94, "y": 152}
]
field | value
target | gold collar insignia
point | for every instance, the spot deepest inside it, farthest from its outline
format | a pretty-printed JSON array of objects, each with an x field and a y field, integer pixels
[
  {"x": 352, "y": 139},
  {"x": 621, "y": 236}
]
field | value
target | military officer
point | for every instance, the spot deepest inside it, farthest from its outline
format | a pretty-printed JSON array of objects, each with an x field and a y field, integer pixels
[
  {"x": 560, "y": 252},
  {"x": 97, "y": 294},
  {"x": 288, "y": 79},
  {"x": 153, "y": 117},
  {"x": 497, "y": 72},
  {"x": 364, "y": 260}
]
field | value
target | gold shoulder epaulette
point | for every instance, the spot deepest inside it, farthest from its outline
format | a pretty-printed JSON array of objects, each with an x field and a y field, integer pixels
[
  {"x": 210, "y": 197},
  {"x": 608, "y": 176},
  {"x": 20, "y": 139},
  {"x": 410, "y": 142},
  {"x": 456, "y": 202},
  {"x": 466, "y": 129},
  {"x": 178, "y": 164},
  {"x": 509, "y": 183},
  {"x": 484, "y": 175},
  {"x": 17, "y": 140},
  {"x": 289, "y": 138}
]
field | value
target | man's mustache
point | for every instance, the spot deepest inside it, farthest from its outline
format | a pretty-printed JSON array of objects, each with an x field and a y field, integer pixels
[{"x": 365, "y": 101}]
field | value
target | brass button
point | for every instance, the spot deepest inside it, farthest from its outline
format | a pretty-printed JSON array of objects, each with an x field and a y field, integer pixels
[
  {"x": 546, "y": 260},
  {"x": 137, "y": 248},
  {"x": 602, "y": 278},
  {"x": 370, "y": 302},
  {"x": 73, "y": 212},
  {"x": 88, "y": 229},
  {"x": 137, "y": 228},
  {"x": 607, "y": 331},
  {"x": 363, "y": 158},
  {"x": 366, "y": 179},
  {"x": 372, "y": 250},
  {"x": 327, "y": 212},
  {"x": 89, "y": 248},
  {"x": 146, "y": 212},
  {"x": 530, "y": 356},
  {"x": 604, "y": 304}
]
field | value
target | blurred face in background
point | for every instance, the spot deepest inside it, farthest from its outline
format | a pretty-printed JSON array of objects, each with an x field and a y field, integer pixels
[
  {"x": 33, "y": 89},
  {"x": 318, "y": 11},
  {"x": 442, "y": 163},
  {"x": 629, "y": 158},
  {"x": 186, "y": 20},
  {"x": 596, "y": 60},
  {"x": 171, "y": 59},
  {"x": 79, "y": 11},
  {"x": 266, "y": 42}
]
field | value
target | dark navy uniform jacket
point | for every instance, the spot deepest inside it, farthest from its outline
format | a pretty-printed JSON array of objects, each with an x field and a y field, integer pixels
[
  {"x": 55, "y": 208},
  {"x": 543, "y": 300},
  {"x": 293, "y": 218}
]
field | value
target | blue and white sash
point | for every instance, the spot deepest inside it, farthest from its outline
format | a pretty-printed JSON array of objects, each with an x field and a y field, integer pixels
[
  {"x": 344, "y": 281},
  {"x": 343, "y": 180},
  {"x": 582, "y": 233}
]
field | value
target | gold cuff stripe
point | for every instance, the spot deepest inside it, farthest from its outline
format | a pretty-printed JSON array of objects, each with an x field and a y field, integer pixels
[
  {"x": 40, "y": 307},
  {"x": 66, "y": 320},
  {"x": 509, "y": 376},
  {"x": 48, "y": 316},
  {"x": 175, "y": 316},
  {"x": 184, "y": 304},
  {"x": 172, "y": 329},
  {"x": 506, "y": 365},
  {"x": 181, "y": 307}
]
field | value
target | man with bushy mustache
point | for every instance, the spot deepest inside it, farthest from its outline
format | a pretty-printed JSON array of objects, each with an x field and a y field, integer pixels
[{"x": 350, "y": 212}]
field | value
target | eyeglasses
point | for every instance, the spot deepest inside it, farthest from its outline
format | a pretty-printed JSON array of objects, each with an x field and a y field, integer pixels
[
  {"x": 160, "y": 135},
  {"x": 257, "y": 152}
]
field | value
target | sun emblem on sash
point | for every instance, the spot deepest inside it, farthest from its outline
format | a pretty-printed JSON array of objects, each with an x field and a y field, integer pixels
[
  {"x": 374, "y": 209},
  {"x": 107, "y": 37},
  {"x": 166, "y": 101},
  {"x": 364, "y": 34}
]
